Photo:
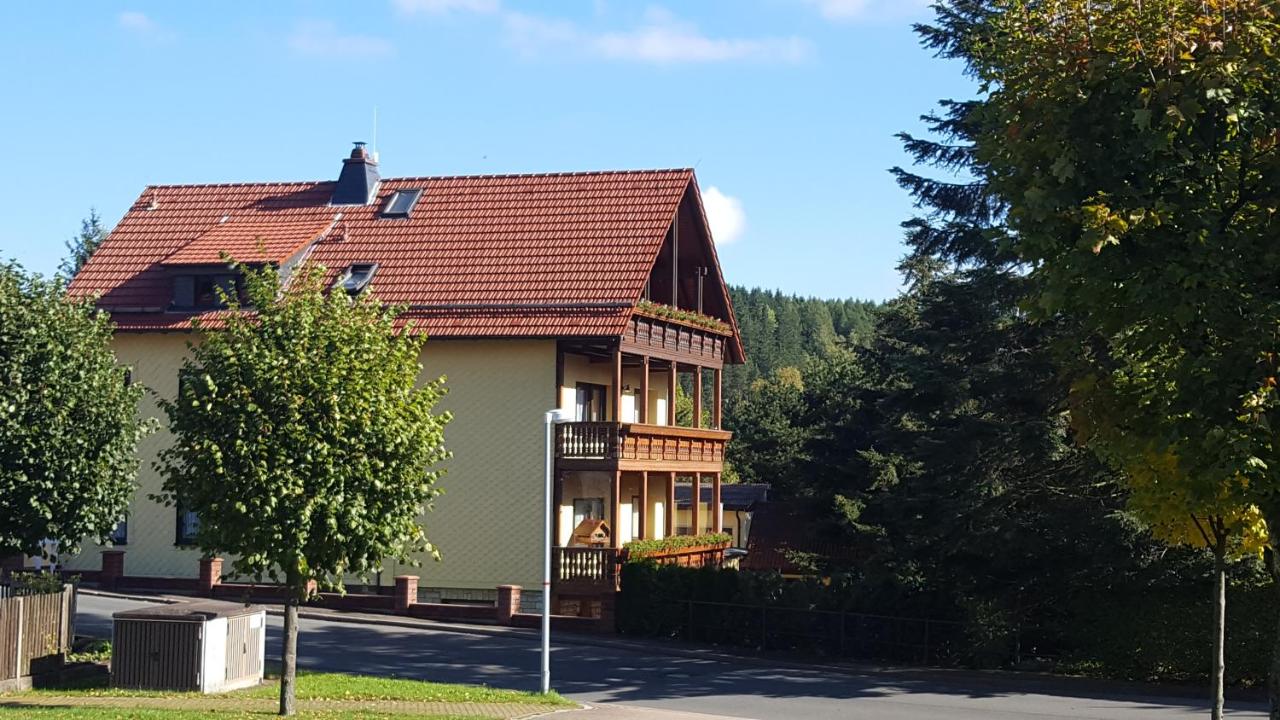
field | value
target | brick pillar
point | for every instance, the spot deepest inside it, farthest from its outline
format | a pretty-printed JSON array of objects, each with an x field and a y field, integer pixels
[
  {"x": 508, "y": 603},
  {"x": 210, "y": 575},
  {"x": 112, "y": 569},
  {"x": 406, "y": 592}
]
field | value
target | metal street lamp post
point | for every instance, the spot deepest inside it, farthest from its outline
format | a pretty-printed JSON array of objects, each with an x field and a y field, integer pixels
[{"x": 553, "y": 418}]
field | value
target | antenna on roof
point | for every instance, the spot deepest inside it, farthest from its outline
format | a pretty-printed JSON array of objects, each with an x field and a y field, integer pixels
[{"x": 375, "y": 133}]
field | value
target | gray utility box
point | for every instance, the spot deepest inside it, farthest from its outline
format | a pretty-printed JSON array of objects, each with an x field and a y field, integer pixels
[{"x": 204, "y": 646}]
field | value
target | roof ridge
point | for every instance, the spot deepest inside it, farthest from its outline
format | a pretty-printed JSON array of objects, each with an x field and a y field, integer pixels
[
  {"x": 562, "y": 173},
  {"x": 495, "y": 176},
  {"x": 163, "y": 186}
]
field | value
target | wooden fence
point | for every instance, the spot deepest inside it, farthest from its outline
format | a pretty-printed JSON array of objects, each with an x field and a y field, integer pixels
[{"x": 35, "y": 632}]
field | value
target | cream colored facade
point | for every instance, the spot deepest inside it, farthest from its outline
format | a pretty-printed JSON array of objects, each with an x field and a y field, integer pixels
[{"x": 488, "y": 522}]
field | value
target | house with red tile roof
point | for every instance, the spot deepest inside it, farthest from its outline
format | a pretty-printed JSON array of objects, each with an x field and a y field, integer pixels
[{"x": 595, "y": 292}]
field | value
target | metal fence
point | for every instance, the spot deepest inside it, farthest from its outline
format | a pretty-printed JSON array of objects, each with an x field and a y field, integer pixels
[{"x": 830, "y": 633}]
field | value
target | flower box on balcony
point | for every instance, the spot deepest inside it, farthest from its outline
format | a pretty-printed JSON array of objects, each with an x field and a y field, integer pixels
[
  {"x": 677, "y": 549},
  {"x": 690, "y": 318}
]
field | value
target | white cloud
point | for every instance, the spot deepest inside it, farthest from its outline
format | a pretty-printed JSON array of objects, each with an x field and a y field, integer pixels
[
  {"x": 849, "y": 10},
  {"x": 531, "y": 34},
  {"x": 724, "y": 214},
  {"x": 440, "y": 7},
  {"x": 143, "y": 26},
  {"x": 660, "y": 39},
  {"x": 678, "y": 42},
  {"x": 322, "y": 38}
]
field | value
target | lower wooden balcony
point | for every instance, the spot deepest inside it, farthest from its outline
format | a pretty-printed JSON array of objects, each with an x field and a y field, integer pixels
[
  {"x": 636, "y": 446},
  {"x": 583, "y": 570}
]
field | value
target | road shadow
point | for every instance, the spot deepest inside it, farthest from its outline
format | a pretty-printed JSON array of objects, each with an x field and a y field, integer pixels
[{"x": 616, "y": 674}]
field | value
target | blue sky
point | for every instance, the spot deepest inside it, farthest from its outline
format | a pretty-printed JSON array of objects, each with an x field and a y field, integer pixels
[{"x": 787, "y": 108}]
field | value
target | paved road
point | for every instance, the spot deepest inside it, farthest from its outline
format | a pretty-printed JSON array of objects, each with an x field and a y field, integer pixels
[{"x": 731, "y": 688}]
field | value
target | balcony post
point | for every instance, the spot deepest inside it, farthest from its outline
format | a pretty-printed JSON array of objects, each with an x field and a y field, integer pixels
[
  {"x": 695, "y": 518},
  {"x": 669, "y": 517},
  {"x": 644, "y": 505},
  {"x": 675, "y": 263},
  {"x": 615, "y": 532},
  {"x": 556, "y": 502},
  {"x": 617, "y": 384},
  {"x": 697, "y": 396},
  {"x": 672, "y": 383},
  {"x": 644, "y": 389},
  {"x": 717, "y": 517},
  {"x": 715, "y": 408}
]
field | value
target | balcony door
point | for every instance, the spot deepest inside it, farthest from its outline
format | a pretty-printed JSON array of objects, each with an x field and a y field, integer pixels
[{"x": 589, "y": 404}]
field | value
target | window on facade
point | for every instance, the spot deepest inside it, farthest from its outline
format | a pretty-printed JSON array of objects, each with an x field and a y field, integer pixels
[
  {"x": 589, "y": 405},
  {"x": 587, "y": 509},
  {"x": 120, "y": 536},
  {"x": 188, "y": 525},
  {"x": 401, "y": 203}
]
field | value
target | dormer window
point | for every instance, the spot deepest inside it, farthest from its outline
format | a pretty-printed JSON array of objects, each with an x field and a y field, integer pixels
[
  {"x": 356, "y": 278},
  {"x": 200, "y": 292},
  {"x": 401, "y": 203}
]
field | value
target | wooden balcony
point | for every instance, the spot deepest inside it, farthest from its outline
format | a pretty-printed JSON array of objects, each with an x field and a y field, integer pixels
[
  {"x": 674, "y": 340},
  {"x": 633, "y": 446},
  {"x": 584, "y": 568}
]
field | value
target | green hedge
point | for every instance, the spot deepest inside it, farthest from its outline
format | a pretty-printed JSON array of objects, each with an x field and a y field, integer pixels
[
  {"x": 1133, "y": 632},
  {"x": 1168, "y": 635}
]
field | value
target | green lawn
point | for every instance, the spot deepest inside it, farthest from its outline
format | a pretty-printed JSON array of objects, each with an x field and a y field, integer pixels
[
  {"x": 333, "y": 686},
  {"x": 256, "y": 702},
  {"x": 338, "y": 686},
  {"x": 101, "y": 713}
]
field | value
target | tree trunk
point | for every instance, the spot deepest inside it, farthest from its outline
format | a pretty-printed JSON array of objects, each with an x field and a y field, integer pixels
[
  {"x": 289, "y": 656},
  {"x": 1219, "y": 626}
]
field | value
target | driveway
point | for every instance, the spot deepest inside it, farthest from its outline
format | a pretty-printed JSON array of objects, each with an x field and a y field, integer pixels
[{"x": 649, "y": 678}]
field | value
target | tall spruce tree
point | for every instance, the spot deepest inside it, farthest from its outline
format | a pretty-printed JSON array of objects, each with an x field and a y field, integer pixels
[{"x": 83, "y": 245}]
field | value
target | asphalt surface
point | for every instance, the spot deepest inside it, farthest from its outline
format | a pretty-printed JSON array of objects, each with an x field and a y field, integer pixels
[{"x": 728, "y": 687}]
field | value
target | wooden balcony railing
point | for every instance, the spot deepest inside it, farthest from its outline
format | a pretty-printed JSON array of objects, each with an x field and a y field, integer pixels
[
  {"x": 587, "y": 440},
  {"x": 633, "y": 443},
  {"x": 584, "y": 565}
]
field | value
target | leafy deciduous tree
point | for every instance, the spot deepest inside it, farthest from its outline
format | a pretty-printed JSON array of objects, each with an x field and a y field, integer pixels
[
  {"x": 68, "y": 425},
  {"x": 1135, "y": 146},
  {"x": 303, "y": 441}
]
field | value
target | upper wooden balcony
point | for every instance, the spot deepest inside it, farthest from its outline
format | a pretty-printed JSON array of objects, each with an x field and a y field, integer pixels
[
  {"x": 636, "y": 446},
  {"x": 670, "y": 339}
]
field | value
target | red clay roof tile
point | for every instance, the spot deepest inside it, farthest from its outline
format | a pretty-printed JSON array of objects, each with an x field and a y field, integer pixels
[{"x": 496, "y": 256}]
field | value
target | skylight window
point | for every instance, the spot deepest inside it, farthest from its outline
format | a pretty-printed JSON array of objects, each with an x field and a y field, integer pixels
[
  {"x": 401, "y": 203},
  {"x": 356, "y": 278}
]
